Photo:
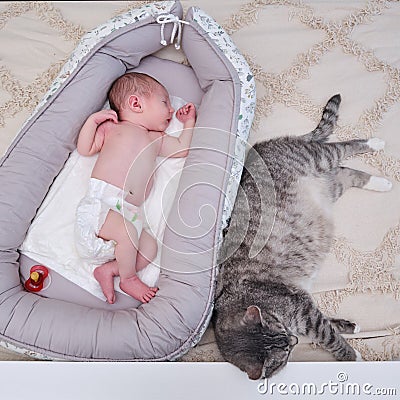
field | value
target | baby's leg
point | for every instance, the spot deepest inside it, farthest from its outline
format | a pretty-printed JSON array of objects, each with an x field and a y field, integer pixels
[
  {"x": 125, "y": 235},
  {"x": 146, "y": 254},
  {"x": 147, "y": 250}
]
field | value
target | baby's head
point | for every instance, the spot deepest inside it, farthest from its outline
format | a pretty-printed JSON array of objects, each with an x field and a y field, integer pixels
[
  {"x": 141, "y": 99},
  {"x": 128, "y": 84}
]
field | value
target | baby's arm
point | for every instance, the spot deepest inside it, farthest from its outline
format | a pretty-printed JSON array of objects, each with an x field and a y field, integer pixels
[
  {"x": 179, "y": 146},
  {"x": 91, "y": 136}
]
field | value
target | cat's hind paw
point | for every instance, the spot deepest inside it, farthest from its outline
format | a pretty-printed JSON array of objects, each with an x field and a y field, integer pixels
[
  {"x": 376, "y": 144},
  {"x": 358, "y": 356},
  {"x": 378, "y": 184}
]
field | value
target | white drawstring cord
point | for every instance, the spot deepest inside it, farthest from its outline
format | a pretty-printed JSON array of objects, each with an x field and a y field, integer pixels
[{"x": 171, "y": 18}]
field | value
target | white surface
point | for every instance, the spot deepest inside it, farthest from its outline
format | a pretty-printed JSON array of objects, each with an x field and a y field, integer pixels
[
  {"x": 57, "y": 251},
  {"x": 177, "y": 380}
]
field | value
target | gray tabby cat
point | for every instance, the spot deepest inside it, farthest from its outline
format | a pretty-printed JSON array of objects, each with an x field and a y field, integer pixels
[{"x": 280, "y": 231}]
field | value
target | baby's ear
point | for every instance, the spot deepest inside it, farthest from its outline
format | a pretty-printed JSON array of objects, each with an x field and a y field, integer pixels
[{"x": 134, "y": 103}]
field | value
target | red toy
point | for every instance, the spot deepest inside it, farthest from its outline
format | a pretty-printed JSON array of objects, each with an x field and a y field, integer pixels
[{"x": 38, "y": 274}]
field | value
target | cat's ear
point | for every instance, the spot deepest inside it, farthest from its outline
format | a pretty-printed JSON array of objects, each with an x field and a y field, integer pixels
[
  {"x": 252, "y": 316},
  {"x": 293, "y": 340},
  {"x": 254, "y": 372}
]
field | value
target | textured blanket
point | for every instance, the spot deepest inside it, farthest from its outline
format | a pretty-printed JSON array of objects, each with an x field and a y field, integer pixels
[{"x": 301, "y": 53}]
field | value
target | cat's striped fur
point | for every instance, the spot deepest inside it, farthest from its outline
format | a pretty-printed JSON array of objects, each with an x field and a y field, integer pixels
[{"x": 280, "y": 231}]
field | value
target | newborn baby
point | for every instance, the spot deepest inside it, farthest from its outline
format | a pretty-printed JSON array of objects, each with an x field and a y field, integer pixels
[{"x": 128, "y": 138}]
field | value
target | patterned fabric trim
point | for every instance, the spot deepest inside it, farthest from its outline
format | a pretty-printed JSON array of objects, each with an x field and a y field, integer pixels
[{"x": 25, "y": 352}]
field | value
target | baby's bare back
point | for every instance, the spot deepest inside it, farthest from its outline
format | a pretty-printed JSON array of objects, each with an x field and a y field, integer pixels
[{"x": 127, "y": 160}]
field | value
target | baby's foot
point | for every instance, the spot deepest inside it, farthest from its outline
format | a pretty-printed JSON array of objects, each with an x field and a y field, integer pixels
[
  {"x": 105, "y": 276},
  {"x": 137, "y": 289}
]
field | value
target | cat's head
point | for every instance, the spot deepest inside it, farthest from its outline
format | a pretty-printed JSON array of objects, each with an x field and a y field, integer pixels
[{"x": 257, "y": 343}]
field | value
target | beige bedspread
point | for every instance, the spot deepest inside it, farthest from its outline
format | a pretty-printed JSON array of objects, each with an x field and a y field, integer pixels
[{"x": 301, "y": 53}]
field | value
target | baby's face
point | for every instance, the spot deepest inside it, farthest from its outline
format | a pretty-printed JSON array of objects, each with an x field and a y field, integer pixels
[{"x": 159, "y": 111}]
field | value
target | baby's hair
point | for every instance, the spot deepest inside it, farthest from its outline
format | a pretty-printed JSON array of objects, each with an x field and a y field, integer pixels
[{"x": 127, "y": 84}]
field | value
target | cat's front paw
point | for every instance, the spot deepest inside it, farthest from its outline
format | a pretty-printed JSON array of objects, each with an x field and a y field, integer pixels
[
  {"x": 376, "y": 144},
  {"x": 358, "y": 356},
  {"x": 378, "y": 184}
]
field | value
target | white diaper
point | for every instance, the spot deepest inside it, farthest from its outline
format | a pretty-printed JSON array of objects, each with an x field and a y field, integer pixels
[{"x": 91, "y": 213}]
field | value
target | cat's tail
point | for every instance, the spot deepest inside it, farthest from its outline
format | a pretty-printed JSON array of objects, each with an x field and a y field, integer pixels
[{"x": 328, "y": 121}]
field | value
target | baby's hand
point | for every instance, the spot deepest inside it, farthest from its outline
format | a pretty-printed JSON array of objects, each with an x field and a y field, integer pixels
[
  {"x": 186, "y": 113},
  {"x": 104, "y": 115}
]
